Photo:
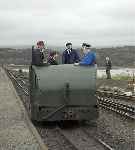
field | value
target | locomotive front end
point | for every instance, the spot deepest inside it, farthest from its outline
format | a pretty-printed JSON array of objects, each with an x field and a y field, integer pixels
[{"x": 63, "y": 92}]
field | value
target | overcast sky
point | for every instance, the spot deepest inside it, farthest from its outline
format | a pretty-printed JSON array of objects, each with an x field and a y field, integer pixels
[{"x": 98, "y": 22}]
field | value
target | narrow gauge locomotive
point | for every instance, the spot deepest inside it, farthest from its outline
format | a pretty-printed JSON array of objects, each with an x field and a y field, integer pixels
[{"x": 63, "y": 92}]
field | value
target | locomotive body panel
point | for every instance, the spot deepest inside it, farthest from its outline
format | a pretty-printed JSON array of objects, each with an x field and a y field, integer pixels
[{"x": 60, "y": 91}]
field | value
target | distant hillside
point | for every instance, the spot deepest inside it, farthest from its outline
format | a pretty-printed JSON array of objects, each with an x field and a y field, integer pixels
[
  {"x": 14, "y": 56},
  {"x": 120, "y": 56}
]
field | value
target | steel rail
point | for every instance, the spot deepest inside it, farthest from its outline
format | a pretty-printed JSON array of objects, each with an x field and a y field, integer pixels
[
  {"x": 102, "y": 143},
  {"x": 115, "y": 95},
  {"x": 11, "y": 76},
  {"x": 122, "y": 109}
]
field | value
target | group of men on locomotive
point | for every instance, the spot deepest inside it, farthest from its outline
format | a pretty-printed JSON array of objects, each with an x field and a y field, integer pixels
[
  {"x": 41, "y": 56},
  {"x": 71, "y": 93}
]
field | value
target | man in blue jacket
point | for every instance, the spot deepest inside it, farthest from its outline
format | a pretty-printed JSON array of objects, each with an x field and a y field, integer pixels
[
  {"x": 89, "y": 57},
  {"x": 70, "y": 55}
]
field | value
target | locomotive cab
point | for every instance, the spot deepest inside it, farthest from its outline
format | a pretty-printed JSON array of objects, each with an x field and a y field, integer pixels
[{"x": 63, "y": 92}]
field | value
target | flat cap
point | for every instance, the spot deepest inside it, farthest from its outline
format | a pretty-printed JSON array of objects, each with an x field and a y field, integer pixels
[
  {"x": 83, "y": 44},
  {"x": 68, "y": 44},
  {"x": 88, "y": 45}
]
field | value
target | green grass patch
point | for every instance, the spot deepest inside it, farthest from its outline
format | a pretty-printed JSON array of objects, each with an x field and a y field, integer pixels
[{"x": 120, "y": 77}]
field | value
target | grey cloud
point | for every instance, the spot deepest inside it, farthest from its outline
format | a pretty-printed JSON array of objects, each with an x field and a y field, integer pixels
[{"x": 58, "y": 21}]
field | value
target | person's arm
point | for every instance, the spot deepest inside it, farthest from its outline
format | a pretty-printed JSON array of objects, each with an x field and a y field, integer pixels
[
  {"x": 63, "y": 58},
  {"x": 55, "y": 62},
  {"x": 77, "y": 58},
  {"x": 42, "y": 55}
]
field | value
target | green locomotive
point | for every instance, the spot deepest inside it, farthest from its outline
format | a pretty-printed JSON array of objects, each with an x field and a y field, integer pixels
[{"x": 63, "y": 92}]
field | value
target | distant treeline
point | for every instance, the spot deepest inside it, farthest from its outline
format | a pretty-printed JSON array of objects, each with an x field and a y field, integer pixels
[{"x": 120, "y": 56}]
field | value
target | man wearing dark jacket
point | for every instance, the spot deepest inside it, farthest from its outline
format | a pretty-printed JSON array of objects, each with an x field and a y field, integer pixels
[
  {"x": 70, "y": 55},
  {"x": 37, "y": 53},
  {"x": 37, "y": 56},
  {"x": 108, "y": 67}
]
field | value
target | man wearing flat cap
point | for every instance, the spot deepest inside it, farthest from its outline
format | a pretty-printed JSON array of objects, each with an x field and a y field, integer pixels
[
  {"x": 70, "y": 55},
  {"x": 89, "y": 57}
]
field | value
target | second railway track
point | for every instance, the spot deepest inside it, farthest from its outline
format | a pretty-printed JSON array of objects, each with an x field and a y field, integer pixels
[{"x": 114, "y": 104}]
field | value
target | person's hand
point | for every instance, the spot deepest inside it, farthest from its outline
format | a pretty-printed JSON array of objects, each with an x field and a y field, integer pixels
[
  {"x": 96, "y": 66},
  {"x": 76, "y": 64}
]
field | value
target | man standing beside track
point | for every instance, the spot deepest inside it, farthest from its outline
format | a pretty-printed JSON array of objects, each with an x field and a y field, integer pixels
[{"x": 108, "y": 67}]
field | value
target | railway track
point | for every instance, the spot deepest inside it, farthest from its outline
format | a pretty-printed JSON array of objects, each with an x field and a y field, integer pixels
[
  {"x": 53, "y": 138},
  {"x": 76, "y": 138},
  {"x": 58, "y": 138},
  {"x": 112, "y": 103},
  {"x": 116, "y": 95},
  {"x": 81, "y": 139},
  {"x": 21, "y": 88},
  {"x": 19, "y": 82}
]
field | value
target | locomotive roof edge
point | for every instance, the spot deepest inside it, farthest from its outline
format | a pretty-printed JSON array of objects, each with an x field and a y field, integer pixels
[{"x": 54, "y": 76}]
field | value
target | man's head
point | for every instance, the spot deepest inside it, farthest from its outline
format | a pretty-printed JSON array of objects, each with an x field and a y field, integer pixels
[
  {"x": 69, "y": 45},
  {"x": 40, "y": 45},
  {"x": 86, "y": 48},
  {"x": 83, "y": 45},
  {"x": 107, "y": 58}
]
